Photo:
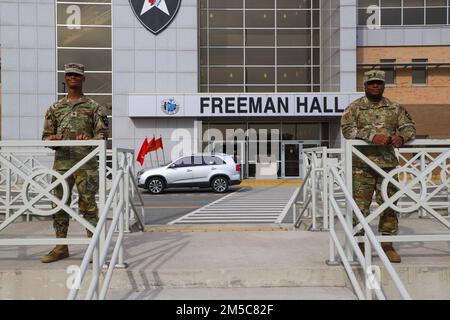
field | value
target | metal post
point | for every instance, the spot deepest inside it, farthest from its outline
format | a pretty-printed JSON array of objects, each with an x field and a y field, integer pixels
[
  {"x": 102, "y": 186},
  {"x": 123, "y": 197},
  {"x": 332, "y": 258},
  {"x": 130, "y": 156},
  {"x": 31, "y": 170},
  {"x": 8, "y": 188},
  {"x": 96, "y": 270},
  {"x": 294, "y": 212},
  {"x": 325, "y": 174},
  {"x": 348, "y": 182},
  {"x": 115, "y": 160},
  {"x": 313, "y": 195},
  {"x": 367, "y": 264},
  {"x": 446, "y": 181},
  {"x": 126, "y": 183},
  {"x": 422, "y": 168}
]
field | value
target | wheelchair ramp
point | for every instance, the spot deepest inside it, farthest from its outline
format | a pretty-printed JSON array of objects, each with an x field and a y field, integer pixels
[{"x": 247, "y": 205}]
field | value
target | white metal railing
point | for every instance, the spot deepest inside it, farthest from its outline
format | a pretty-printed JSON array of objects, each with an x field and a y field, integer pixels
[
  {"x": 30, "y": 160},
  {"x": 307, "y": 196},
  {"x": 417, "y": 189},
  {"x": 414, "y": 158},
  {"x": 97, "y": 288},
  {"x": 373, "y": 284},
  {"x": 316, "y": 163},
  {"x": 418, "y": 159},
  {"x": 423, "y": 182},
  {"x": 37, "y": 182},
  {"x": 27, "y": 184},
  {"x": 123, "y": 159},
  {"x": 11, "y": 183}
]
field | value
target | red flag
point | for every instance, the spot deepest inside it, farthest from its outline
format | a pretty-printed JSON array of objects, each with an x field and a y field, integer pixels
[
  {"x": 142, "y": 152},
  {"x": 151, "y": 145},
  {"x": 155, "y": 145},
  {"x": 159, "y": 143}
]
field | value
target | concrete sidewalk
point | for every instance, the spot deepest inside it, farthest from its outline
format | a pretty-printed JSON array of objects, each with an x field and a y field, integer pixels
[
  {"x": 218, "y": 262},
  {"x": 180, "y": 260}
]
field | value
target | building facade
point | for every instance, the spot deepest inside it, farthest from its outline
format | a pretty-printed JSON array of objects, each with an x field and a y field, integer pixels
[{"x": 259, "y": 79}]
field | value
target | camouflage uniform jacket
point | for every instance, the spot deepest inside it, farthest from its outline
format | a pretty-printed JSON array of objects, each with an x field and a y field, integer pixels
[
  {"x": 364, "y": 119},
  {"x": 69, "y": 119}
]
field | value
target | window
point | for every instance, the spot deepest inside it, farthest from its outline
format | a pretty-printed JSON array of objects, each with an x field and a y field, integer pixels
[
  {"x": 212, "y": 160},
  {"x": 413, "y": 16},
  {"x": 84, "y": 35},
  {"x": 419, "y": 71},
  {"x": 389, "y": 70},
  {"x": 391, "y": 16},
  {"x": 183, "y": 162},
  {"x": 406, "y": 12},
  {"x": 247, "y": 46}
]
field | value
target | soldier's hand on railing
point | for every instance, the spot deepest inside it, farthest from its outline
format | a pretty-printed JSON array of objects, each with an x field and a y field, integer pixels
[
  {"x": 397, "y": 141},
  {"x": 82, "y": 137},
  {"x": 381, "y": 139},
  {"x": 54, "y": 137}
]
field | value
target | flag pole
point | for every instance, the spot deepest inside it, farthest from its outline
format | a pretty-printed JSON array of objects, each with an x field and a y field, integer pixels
[
  {"x": 157, "y": 159},
  {"x": 151, "y": 160},
  {"x": 162, "y": 149}
]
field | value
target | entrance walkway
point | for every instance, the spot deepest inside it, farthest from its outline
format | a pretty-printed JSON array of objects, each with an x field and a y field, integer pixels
[{"x": 257, "y": 204}]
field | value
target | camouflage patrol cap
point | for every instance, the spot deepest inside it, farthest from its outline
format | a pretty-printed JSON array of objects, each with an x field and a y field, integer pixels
[
  {"x": 74, "y": 68},
  {"x": 372, "y": 75}
]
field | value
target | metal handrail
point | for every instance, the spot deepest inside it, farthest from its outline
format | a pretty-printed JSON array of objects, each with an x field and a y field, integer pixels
[
  {"x": 41, "y": 189},
  {"x": 296, "y": 220},
  {"x": 126, "y": 164},
  {"x": 370, "y": 236},
  {"x": 423, "y": 203},
  {"x": 99, "y": 258},
  {"x": 134, "y": 184},
  {"x": 318, "y": 160}
]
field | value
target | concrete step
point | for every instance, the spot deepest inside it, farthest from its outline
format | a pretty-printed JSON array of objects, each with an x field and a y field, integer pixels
[
  {"x": 273, "y": 293},
  {"x": 221, "y": 259}
]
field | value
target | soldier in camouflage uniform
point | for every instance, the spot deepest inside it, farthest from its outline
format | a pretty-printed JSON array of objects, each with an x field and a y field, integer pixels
[
  {"x": 75, "y": 117},
  {"x": 384, "y": 125}
]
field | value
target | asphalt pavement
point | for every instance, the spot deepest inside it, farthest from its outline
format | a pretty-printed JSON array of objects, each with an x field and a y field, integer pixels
[{"x": 175, "y": 203}]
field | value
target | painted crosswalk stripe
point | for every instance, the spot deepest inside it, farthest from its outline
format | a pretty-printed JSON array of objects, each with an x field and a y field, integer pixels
[{"x": 257, "y": 205}]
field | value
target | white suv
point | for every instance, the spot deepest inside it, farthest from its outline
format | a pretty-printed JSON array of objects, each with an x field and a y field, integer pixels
[{"x": 215, "y": 170}]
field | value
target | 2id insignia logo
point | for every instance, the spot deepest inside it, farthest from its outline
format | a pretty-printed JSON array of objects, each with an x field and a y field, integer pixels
[
  {"x": 155, "y": 15},
  {"x": 170, "y": 106}
]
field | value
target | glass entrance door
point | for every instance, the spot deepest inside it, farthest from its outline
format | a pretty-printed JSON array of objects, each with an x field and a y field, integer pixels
[{"x": 290, "y": 159}]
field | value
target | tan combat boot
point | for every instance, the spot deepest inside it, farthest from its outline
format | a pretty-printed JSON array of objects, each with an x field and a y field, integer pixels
[
  {"x": 59, "y": 252},
  {"x": 392, "y": 255}
]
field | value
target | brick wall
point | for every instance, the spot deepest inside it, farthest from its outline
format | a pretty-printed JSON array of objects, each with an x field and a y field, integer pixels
[{"x": 428, "y": 104}]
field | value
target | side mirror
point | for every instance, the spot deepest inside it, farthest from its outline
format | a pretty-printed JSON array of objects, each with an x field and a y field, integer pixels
[{"x": 172, "y": 166}]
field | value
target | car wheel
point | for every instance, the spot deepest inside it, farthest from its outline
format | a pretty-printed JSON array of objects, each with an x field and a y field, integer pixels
[
  {"x": 155, "y": 185},
  {"x": 220, "y": 184}
]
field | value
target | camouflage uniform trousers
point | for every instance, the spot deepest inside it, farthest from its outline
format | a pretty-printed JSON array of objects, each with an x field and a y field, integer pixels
[
  {"x": 365, "y": 182},
  {"x": 86, "y": 181}
]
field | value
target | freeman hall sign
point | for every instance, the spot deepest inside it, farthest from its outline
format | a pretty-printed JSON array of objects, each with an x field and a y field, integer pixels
[{"x": 226, "y": 105}]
